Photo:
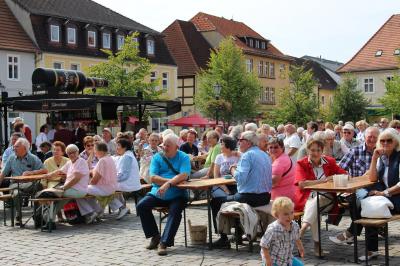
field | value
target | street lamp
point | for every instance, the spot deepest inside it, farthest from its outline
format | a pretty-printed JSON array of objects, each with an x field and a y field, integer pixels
[
  {"x": 3, "y": 94},
  {"x": 217, "y": 91}
]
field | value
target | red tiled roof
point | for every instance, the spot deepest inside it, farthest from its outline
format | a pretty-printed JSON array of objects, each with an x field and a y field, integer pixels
[
  {"x": 228, "y": 27},
  {"x": 12, "y": 35},
  {"x": 188, "y": 47},
  {"x": 387, "y": 39}
]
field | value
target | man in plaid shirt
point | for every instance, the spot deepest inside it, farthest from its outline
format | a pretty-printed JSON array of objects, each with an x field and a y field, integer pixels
[{"x": 356, "y": 162}]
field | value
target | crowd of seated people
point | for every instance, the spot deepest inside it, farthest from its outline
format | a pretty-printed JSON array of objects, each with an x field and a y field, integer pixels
[{"x": 267, "y": 163}]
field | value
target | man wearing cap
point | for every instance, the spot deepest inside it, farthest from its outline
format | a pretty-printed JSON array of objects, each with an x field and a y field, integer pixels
[
  {"x": 348, "y": 138},
  {"x": 108, "y": 139}
]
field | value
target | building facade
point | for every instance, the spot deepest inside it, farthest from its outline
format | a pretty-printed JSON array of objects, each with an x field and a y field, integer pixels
[
  {"x": 71, "y": 38},
  {"x": 377, "y": 61},
  {"x": 17, "y": 62}
]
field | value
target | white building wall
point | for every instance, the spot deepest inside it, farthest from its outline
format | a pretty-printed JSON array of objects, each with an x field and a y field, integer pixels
[{"x": 23, "y": 83}]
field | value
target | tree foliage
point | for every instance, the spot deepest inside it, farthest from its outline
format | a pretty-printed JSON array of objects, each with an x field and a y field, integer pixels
[
  {"x": 240, "y": 89},
  {"x": 126, "y": 72},
  {"x": 391, "y": 99},
  {"x": 297, "y": 103},
  {"x": 349, "y": 103}
]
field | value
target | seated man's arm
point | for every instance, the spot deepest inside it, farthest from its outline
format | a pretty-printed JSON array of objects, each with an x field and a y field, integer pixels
[
  {"x": 241, "y": 173},
  {"x": 37, "y": 167}
]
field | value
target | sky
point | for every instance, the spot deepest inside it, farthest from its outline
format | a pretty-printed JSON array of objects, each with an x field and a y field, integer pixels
[{"x": 334, "y": 29}]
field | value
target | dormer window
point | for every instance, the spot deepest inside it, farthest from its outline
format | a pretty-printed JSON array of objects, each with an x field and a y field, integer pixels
[
  {"x": 263, "y": 45},
  {"x": 379, "y": 53},
  {"x": 251, "y": 42},
  {"x": 71, "y": 35},
  {"x": 257, "y": 44},
  {"x": 397, "y": 52},
  {"x": 55, "y": 33},
  {"x": 91, "y": 38},
  {"x": 120, "y": 41},
  {"x": 106, "y": 40},
  {"x": 150, "y": 46}
]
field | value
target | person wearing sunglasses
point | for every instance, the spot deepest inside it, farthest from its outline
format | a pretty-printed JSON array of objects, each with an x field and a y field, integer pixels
[
  {"x": 88, "y": 152},
  {"x": 253, "y": 175},
  {"x": 384, "y": 169},
  {"x": 395, "y": 124},
  {"x": 348, "y": 138}
]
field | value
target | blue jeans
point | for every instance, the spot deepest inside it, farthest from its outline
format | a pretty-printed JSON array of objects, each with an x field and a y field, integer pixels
[{"x": 149, "y": 225}]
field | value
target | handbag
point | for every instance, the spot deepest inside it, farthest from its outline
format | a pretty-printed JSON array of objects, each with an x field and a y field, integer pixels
[{"x": 376, "y": 207}]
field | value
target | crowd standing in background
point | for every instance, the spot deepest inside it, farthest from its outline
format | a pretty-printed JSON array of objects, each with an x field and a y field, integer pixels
[{"x": 268, "y": 164}]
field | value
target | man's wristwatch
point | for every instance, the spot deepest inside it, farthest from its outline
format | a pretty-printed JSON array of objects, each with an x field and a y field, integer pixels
[{"x": 386, "y": 193}]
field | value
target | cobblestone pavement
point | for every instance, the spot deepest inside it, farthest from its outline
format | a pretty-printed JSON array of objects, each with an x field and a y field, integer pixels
[{"x": 114, "y": 242}]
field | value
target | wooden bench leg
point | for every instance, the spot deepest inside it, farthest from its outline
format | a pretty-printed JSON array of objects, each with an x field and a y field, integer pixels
[
  {"x": 366, "y": 246},
  {"x": 386, "y": 230},
  {"x": 12, "y": 210},
  {"x": 4, "y": 213},
  {"x": 237, "y": 224},
  {"x": 160, "y": 222}
]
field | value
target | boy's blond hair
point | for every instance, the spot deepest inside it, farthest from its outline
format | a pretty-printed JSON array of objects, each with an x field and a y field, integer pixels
[{"x": 281, "y": 204}]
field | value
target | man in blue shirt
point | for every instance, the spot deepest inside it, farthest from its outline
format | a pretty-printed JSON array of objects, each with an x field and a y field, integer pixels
[
  {"x": 253, "y": 175},
  {"x": 167, "y": 169},
  {"x": 22, "y": 163}
]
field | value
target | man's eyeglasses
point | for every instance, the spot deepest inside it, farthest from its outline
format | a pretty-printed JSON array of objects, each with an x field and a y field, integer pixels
[
  {"x": 239, "y": 140},
  {"x": 347, "y": 132}
]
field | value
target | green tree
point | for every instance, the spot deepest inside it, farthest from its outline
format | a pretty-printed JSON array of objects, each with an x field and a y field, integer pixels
[
  {"x": 240, "y": 89},
  {"x": 126, "y": 72},
  {"x": 391, "y": 99},
  {"x": 298, "y": 103},
  {"x": 349, "y": 103}
]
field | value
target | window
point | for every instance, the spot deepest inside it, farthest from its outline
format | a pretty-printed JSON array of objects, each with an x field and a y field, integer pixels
[
  {"x": 267, "y": 96},
  {"x": 75, "y": 67},
  {"x": 251, "y": 42},
  {"x": 261, "y": 68},
  {"x": 263, "y": 95},
  {"x": 58, "y": 65},
  {"x": 262, "y": 45},
  {"x": 106, "y": 40},
  {"x": 272, "y": 70},
  {"x": 397, "y": 52},
  {"x": 91, "y": 38},
  {"x": 271, "y": 95},
  {"x": 257, "y": 44},
  {"x": 13, "y": 67},
  {"x": 120, "y": 41},
  {"x": 379, "y": 53},
  {"x": 71, "y": 36},
  {"x": 249, "y": 65},
  {"x": 153, "y": 78},
  {"x": 282, "y": 71},
  {"x": 369, "y": 85},
  {"x": 323, "y": 100},
  {"x": 150, "y": 47},
  {"x": 165, "y": 80},
  {"x": 54, "y": 33},
  {"x": 266, "y": 69}
]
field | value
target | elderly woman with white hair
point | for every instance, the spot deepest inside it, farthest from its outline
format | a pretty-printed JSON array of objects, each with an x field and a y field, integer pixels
[
  {"x": 251, "y": 127},
  {"x": 76, "y": 183},
  {"x": 236, "y": 131},
  {"x": 384, "y": 170},
  {"x": 167, "y": 170},
  {"x": 333, "y": 147}
]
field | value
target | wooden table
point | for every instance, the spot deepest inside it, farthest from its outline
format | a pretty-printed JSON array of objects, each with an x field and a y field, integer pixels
[
  {"x": 354, "y": 184},
  {"x": 206, "y": 184},
  {"x": 18, "y": 180}
]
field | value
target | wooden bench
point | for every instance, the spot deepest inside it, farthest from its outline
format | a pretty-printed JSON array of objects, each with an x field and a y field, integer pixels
[
  {"x": 48, "y": 204},
  {"x": 8, "y": 198},
  {"x": 370, "y": 222},
  {"x": 163, "y": 213}
]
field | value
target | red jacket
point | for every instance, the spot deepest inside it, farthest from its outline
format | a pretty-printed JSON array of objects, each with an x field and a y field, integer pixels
[{"x": 304, "y": 171}]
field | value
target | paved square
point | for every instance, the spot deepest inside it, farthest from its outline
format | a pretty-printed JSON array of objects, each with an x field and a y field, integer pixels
[{"x": 114, "y": 242}]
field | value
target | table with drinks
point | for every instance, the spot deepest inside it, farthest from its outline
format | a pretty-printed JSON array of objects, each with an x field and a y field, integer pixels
[{"x": 340, "y": 184}]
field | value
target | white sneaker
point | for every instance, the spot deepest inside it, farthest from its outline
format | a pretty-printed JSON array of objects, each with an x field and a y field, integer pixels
[
  {"x": 372, "y": 254},
  {"x": 91, "y": 218},
  {"x": 346, "y": 239},
  {"x": 122, "y": 212}
]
